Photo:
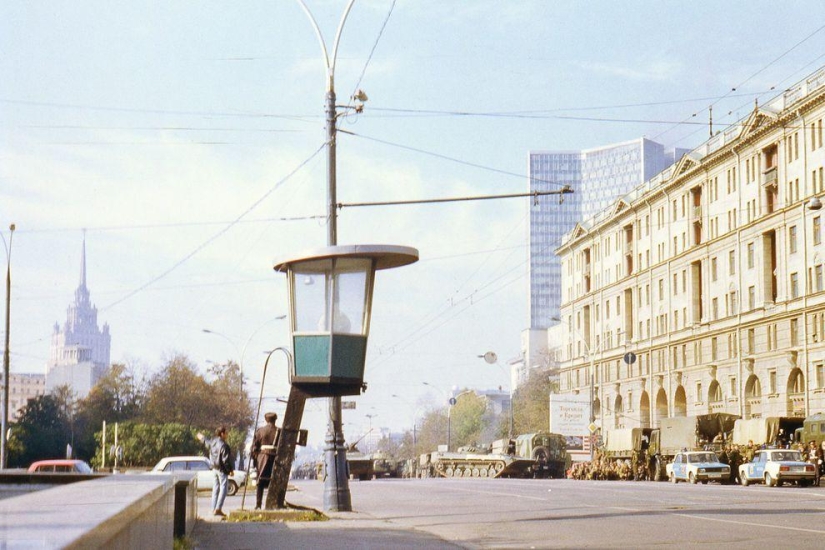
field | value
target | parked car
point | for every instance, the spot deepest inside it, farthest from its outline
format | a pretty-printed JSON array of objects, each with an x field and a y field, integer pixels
[
  {"x": 69, "y": 466},
  {"x": 200, "y": 465},
  {"x": 695, "y": 466},
  {"x": 776, "y": 466}
]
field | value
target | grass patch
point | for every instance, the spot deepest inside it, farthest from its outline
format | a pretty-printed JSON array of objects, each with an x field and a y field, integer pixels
[{"x": 287, "y": 514}]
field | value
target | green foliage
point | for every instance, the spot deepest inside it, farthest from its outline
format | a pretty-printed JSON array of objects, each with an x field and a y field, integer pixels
[
  {"x": 467, "y": 422},
  {"x": 156, "y": 418},
  {"x": 432, "y": 431},
  {"x": 42, "y": 431},
  {"x": 145, "y": 444},
  {"x": 531, "y": 405}
]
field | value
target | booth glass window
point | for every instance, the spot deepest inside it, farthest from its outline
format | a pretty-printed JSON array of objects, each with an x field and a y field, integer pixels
[
  {"x": 341, "y": 285},
  {"x": 351, "y": 296}
]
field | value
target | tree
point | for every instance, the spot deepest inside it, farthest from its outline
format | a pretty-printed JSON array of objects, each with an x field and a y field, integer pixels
[
  {"x": 233, "y": 403},
  {"x": 531, "y": 405},
  {"x": 145, "y": 444},
  {"x": 42, "y": 431},
  {"x": 433, "y": 431},
  {"x": 179, "y": 394},
  {"x": 116, "y": 398},
  {"x": 467, "y": 421}
]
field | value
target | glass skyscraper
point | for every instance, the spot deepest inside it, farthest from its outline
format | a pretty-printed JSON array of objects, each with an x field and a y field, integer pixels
[{"x": 598, "y": 178}]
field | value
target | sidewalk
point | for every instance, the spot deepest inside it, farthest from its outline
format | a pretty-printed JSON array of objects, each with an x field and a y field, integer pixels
[{"x": 344, "y": 530}]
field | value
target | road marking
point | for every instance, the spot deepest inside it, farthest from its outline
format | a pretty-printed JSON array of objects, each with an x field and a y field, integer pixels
[{"x": 705, "y": 518}]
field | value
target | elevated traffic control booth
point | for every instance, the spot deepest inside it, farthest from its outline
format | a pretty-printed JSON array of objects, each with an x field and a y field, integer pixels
[{"x": 330, "y": 300}]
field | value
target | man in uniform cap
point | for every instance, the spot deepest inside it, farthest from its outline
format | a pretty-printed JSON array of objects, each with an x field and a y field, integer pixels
[{"x": 263, "y": 453}]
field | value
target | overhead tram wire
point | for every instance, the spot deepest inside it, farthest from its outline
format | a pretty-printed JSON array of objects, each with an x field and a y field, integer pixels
[
  {"x": 751, "y": 77},
  {"x": 170, "y": 224},
  {"x": 217, "y": 235},
  {"x": 372, "y": 52},
  {"x": 772, "y": 91},
  {"x": 451, "y": 159}
]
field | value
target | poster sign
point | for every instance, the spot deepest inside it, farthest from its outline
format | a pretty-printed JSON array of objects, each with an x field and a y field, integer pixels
[{"x": 570, "y": 417}]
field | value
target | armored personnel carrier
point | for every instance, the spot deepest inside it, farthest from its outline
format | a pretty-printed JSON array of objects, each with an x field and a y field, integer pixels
[{"x": 529, "y": 455}]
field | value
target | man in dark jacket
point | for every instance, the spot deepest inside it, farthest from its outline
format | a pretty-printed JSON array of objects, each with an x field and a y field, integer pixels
[
  {"x": 220, "y": 457},
  {"x": 264, "y": 445}
]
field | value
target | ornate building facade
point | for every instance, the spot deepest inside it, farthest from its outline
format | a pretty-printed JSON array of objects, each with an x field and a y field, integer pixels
[
  {"x": 712, "y": 274},
  {"x": 80, "y": 351}
]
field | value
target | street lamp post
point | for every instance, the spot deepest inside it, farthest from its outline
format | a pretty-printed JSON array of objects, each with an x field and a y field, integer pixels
[
  {"x": 591, "y": 354},
  {"x": 369, "y": 433},
  {"x": 5, "y": 423},
  {"x": 415, "y": 421},
  {"x": 449, "y": 400},
  {"x": 492, "y": 359},
  {"x": 337, "y": 495},
  {"x": 242, "y": 351}
]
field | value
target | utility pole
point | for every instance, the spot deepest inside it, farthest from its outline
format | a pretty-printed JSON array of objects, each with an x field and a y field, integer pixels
[{"x": 5, "y": 423}]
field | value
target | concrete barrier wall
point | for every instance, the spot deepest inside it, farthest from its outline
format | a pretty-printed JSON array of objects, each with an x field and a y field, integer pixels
[{"x": 120, "y": 511}]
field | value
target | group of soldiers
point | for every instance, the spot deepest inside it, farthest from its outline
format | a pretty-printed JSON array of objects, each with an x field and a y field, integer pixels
[{"x": 637, "y": 468}]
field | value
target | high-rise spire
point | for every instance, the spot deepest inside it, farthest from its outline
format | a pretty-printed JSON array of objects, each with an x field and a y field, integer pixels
[{"x": 83, "y": 263}]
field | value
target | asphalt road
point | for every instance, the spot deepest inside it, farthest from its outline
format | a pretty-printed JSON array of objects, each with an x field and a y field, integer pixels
[{"x": 509, "y": 513}]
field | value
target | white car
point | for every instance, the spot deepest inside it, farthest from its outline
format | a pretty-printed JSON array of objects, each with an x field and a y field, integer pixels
[
  {"x": 200, "y": 465},
  {"x": 696, "y": 466},
  {"x": 776, "y": 466}
]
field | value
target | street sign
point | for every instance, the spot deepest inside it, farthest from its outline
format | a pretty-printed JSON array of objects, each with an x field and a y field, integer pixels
[
  {"x": 592, "y": 427},
  {"x": 347, "y": 404},
  {"x": 629, "y": 357},
  {"x": 452, "y": 401}
]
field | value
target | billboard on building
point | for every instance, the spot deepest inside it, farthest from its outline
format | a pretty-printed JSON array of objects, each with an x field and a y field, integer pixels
[{"x": 570, "y": 417}]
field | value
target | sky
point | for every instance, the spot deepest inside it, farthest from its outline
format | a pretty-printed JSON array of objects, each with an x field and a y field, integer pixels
[{"x": 186, "y": 138}]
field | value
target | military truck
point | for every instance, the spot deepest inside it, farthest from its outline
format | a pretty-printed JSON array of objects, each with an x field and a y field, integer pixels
[
  {"x": 812, "y": 429},
  {"x": 386, "y": 466},
  {"x": 658, "y": 446},
  {"x": 634, "y": 444},
  {"x": 548, "y": 450},
  {"x": 772, "y": 430},
  {"x": 360, "y": 465}
]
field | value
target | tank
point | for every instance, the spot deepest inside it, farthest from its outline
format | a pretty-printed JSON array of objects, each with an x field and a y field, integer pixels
[{"x": 529, "y": 455}]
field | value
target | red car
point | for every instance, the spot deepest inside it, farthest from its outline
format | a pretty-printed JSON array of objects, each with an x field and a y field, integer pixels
[{"x": 62, "y": 466}]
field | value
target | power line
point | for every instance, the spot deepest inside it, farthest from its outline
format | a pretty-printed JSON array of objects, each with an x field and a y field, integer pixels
[
  {"x": 451, "y": 159},
  {"x": 217, "y": 235},
  {"x": 170, "y": 225}
]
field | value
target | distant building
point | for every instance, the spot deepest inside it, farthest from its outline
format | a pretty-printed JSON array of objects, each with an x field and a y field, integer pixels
[
  {"x": 23, "y": 387},
  {"x": 80, "y": 351},
  {"x": 598, "y": 177}
]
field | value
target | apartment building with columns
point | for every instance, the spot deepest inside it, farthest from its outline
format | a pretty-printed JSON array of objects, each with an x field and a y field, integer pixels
[{"x": 712, "y": 274}]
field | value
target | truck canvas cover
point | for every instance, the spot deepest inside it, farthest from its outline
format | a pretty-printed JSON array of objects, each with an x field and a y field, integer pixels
[
  {"x": 620, "y": 440},
  {"x": 687, "y": 432},
  {"x": 763, "y": 430}
]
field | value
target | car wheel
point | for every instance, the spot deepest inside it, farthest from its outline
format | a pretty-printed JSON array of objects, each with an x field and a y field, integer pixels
[
  {"x": 692, "y": 478},
  {"x": 744, "y": 481},
  {"x": 232, "y": 488},
  {"x": 704, "y": 482},
  {"x": 673, "y": 478},
  {"x": 769, "y": 481}
]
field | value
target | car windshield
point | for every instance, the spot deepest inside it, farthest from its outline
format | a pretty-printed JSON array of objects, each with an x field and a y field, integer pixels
[
  {"x": 702, "y": 457},
  {"x": 83, "y": 468}
]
